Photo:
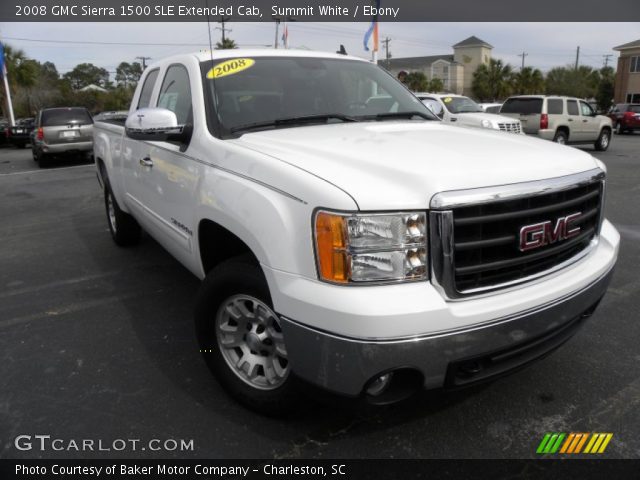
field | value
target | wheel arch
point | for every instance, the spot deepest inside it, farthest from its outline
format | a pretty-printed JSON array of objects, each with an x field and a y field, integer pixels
[{"x": 217, "y": 243}]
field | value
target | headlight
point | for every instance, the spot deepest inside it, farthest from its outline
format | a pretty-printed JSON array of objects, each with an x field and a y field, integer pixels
[
  {"x": 355, "y": 248},
  {"x": 486, "y": 123}
]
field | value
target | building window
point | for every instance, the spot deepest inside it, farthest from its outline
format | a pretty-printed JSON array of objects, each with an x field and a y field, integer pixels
[
  {"x": 633, "y": 98},
  {"x": 634, "y": 66}
]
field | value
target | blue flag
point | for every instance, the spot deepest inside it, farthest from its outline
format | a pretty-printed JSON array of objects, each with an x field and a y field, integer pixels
[{"x": 1, "y": 60}]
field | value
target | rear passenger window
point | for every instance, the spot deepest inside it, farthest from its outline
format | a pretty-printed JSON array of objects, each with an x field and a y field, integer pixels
[
  {"x": 175, "y": 94},
  {"x": 147, "y": 89},
  {"x": 554, "y": 106},
  {"x": 572, "y": 107}
]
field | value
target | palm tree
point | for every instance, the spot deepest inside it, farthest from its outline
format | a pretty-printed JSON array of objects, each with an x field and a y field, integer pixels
[
  {"x": 529, "y": 81},
  {"x": 416, "y": 82},
  {"x": 226, "y": 44},
  {"x": 22, "y": 72},
  {"x": 493, "y": 81}
]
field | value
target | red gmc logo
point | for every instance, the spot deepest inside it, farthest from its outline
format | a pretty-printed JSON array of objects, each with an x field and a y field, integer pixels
[{"x": 541, "y": 234}]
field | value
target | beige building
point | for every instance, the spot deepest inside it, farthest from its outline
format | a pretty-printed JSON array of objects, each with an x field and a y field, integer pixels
[
  {"x": 455, "y": 71},
  {"x": 627, "y": 88}
]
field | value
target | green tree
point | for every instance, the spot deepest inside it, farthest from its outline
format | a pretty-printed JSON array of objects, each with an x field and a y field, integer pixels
[
  {"x": 227, "y": 44},
  {"x": 22, "y": 73},
  {"x": 43, "y": 92},
  {"x": 416, "y": 81},
  {"x": 605, "y": 92},
  {"x": 436, "y": 85},
  {"x": 493, "y": 81},
  {"x": 128, "y": 74},
  {"x": 581, "y": 82},
  {"x": 86, "y": 74},
  {"x": 528, "y": 81}
]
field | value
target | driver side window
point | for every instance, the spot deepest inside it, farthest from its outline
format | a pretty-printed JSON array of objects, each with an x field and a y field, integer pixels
[{"x": 586, "y": 109}]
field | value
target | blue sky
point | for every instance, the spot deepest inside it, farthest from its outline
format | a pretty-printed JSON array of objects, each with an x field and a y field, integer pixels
[{"x": 547, "y": 44}]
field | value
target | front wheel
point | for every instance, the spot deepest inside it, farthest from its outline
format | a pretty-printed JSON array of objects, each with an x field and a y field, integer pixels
[
  {"x": 124, "y": 229},
  {"x": 603, "y": 141},
  {"x": 561, "y": 137},
  {"x": 241, "y": 338}
]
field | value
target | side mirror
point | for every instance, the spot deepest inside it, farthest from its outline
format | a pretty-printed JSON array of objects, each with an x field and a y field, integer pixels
[{"x": 155, "y": 125}]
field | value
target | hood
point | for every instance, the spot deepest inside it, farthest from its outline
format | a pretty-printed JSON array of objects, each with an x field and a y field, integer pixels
[
  {"x": 475, "y": 118},
  {"x": 402, "y": 164}
]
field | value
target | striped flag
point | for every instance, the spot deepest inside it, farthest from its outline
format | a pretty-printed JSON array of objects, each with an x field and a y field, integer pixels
[
  {"x": 373, "y": 30},
  {"x": 3, "y": 66}
]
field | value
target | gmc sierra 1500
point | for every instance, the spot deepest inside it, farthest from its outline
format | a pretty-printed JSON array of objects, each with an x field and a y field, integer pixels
[{"x": 346, "y": 236}]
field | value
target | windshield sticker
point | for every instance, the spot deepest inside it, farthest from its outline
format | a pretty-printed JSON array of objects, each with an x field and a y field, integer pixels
[
  {"x": 230, "y": 67},
  {"x": 447, "y": 99}
]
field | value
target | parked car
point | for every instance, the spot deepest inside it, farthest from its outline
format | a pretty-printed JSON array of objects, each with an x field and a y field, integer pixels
[
  {"x": 564, "y": 120},
  {"x": 625, "y": 117},
  {"x": 62, "y": 131},
  {"x": 362, "y": 246},
  {"x": 464, "y": 112},
  {"x": 20, "y": 134},
  {"x": 490, "y": 107},
  {"x": 4, "y": 136}
]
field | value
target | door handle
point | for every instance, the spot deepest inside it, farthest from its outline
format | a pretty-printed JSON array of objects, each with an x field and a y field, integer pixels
[
  {"x": 584, "y": 121},
  {"x": 571, "y": 119},
  {"x": 146, "y": 162}
]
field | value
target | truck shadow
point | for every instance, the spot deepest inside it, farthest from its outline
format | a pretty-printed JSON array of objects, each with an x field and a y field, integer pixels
[{"x": 161, "y": 315}]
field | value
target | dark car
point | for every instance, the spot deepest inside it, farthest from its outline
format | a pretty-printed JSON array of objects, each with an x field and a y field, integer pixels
[
  {"x": 4, "y": 127},
  {"x": 625, "y": 117},
  {"x": 20, "y": 134},
  {"x": 62, "y": 131}
]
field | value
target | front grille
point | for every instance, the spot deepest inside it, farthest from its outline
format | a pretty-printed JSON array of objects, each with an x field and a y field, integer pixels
[
  {"x": 486, "y": 237},
  {"x": 511, "y": 127}
]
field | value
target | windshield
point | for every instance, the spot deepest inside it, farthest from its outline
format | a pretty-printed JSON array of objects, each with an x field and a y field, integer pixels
[
  {"x": 461, "y": 105},
  {"x": 65, "y": 116},
  {"x": 261, "y": 92}
]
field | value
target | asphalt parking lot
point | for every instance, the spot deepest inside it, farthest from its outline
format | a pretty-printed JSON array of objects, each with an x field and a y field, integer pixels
[{"x": 98, "y": 342}]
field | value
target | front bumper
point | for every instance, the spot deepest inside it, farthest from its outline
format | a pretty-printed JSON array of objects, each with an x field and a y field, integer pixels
[{"x": 345, "y": 365}]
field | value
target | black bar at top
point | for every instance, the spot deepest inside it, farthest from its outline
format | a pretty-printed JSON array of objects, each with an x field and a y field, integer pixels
[{"x": 312, "y": 10}]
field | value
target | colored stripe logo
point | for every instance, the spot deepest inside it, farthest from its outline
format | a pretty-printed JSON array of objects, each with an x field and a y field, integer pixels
[{"x": 574, "y": 443}]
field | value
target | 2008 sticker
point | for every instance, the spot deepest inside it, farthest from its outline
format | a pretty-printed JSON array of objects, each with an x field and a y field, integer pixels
[{"x": 230, "y": 67}]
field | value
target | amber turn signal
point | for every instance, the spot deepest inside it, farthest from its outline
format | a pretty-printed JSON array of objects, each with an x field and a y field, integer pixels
[{"x": 331, "y": 244}]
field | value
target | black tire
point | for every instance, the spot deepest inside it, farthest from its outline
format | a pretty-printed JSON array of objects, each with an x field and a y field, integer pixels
[
  {"x": 124, "y": 229},
  {"x": 42, "y": 159},
  {"x": 34, "y": 154},
  {"x": 603, "y": 141},
  {"x": 561, "y": 137},
  {"x": 232, "y": 278}
]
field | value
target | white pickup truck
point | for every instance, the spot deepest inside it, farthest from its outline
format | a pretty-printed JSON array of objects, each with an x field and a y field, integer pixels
[{"x": 345, "y": 236}]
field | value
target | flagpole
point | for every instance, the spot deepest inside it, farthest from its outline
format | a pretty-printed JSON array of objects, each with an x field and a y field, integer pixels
[{"x": 12, "y": 120}]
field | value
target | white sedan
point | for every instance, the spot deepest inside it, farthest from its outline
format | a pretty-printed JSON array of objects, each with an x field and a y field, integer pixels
[{"x": 463, "y": 111}]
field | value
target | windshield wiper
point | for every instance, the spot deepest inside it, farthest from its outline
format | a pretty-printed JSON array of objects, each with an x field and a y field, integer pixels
[
  {"x": 384, "y": 116},
  {"x": 301, "y": 120}
]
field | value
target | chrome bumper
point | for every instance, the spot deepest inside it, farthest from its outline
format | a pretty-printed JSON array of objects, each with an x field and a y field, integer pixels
[{"x": 345, "y": 365}]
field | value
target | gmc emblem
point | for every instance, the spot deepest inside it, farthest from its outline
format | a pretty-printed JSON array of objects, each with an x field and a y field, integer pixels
[{"x": 541, "y": 234}]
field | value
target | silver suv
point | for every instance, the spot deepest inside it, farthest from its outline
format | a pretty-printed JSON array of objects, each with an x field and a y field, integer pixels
[
  {"x": 62, "y": 131},
  {"x": 564, "y": 120}
]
